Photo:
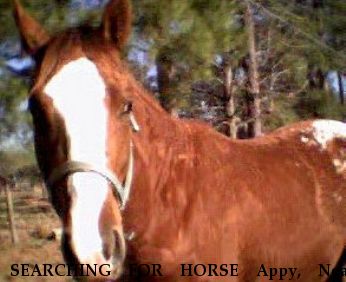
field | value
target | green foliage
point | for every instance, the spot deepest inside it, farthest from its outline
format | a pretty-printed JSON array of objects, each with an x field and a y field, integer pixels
[
  {"x": 319, "y": 104},
  {"x": 300, "y": 41},
  {"x": 6, "y": 19},
  {"x": 189, "y": 34},
  {"x": 282, "y": 113},
  {"x": 14, "y": 119},
  {"x": 318, "y": 32}
]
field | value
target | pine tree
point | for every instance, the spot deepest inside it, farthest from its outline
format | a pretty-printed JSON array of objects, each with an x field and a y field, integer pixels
[{"x": 184, "y": 37}]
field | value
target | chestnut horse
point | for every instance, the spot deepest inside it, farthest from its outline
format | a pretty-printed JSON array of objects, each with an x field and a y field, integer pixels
[{"x": 202, "y": 206}]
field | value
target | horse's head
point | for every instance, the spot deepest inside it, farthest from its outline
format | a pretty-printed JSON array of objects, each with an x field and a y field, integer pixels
[{"x": 78, "y": 102}]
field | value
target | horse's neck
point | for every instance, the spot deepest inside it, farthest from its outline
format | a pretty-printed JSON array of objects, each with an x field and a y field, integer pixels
[
  {"x": 159, "y": 133},
  {"x": 158, "y": 129},
  {"x": 162, "y": 140}
]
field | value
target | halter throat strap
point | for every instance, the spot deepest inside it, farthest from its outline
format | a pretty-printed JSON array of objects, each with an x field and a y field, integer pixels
[{"x": 122, "y": 191}]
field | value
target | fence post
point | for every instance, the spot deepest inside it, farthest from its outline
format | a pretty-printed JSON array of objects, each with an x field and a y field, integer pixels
[
  {"x": 10, "y": 214},
  {"x": 44, "y": 191}
]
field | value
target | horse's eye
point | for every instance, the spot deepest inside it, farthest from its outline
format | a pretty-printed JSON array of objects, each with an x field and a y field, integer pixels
[{"x": 127, "y": 107}]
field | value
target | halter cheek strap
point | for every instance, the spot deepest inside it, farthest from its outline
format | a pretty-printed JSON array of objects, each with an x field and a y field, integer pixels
[
  {"x": 134, "y": 123},
  {"x": 121, "y": 191}
]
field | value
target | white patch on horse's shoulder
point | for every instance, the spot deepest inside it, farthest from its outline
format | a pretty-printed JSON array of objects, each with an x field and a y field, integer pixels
[
  {"x": 78, "y": 92},
  {"x": 337, "y": 197},
  {"x": 325, "y": 131},
  {"x": 304, "y": 139},
  {"x": 339, "y": 165}
]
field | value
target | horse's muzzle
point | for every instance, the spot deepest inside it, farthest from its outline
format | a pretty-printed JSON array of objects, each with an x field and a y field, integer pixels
[{"x": 107, "y": 264}]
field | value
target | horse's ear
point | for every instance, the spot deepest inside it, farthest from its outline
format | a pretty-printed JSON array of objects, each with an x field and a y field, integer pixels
[
  {"x": 33, "y": 35},
  {"x": 117, "y": 21}
]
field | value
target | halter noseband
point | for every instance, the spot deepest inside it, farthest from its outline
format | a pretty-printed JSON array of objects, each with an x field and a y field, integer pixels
[{"x": 70, "y": 167}]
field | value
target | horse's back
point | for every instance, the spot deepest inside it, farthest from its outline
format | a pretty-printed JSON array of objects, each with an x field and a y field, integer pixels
[
  {"x": 281, "y": 195},
  {"x": 306, "y": 159},
  {"x": 317, "y": 153},
  {"x": 291, "y": 181}
]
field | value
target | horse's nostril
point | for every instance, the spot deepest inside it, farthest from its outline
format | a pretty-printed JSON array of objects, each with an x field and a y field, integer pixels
[
  {"x": 116, "y": 236},
  {"x": 107, "y": 251},
  {"x": 120, "y": 245},
  {"x": 108, "y": 246},
  {"x": 114, "y": 246}
]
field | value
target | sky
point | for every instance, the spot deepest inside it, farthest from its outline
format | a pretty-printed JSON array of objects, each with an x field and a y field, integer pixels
[{"x": 332, "y": 79}]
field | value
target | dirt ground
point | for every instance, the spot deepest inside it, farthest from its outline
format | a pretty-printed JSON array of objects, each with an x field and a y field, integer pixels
[{"x": 35, "y": 220}]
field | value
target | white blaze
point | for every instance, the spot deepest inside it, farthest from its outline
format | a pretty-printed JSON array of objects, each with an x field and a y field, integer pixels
[
  {"x": 78, "y": 93},
  {"x": 325, "y": 131}
]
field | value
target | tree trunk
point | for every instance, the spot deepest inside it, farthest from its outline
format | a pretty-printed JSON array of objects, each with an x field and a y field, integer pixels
[
  {"x": 316, "y": 78},
  {"x": 255, "y": 125},
  {"x": 165, "y": 71},
  {"x": 341, "y": 88},
  {"x": 317, "y": 4},
  {"x": 229, "y": 97}
]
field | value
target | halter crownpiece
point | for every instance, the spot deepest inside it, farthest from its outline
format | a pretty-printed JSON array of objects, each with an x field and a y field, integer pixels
[{"x": 70, "y": 167}]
